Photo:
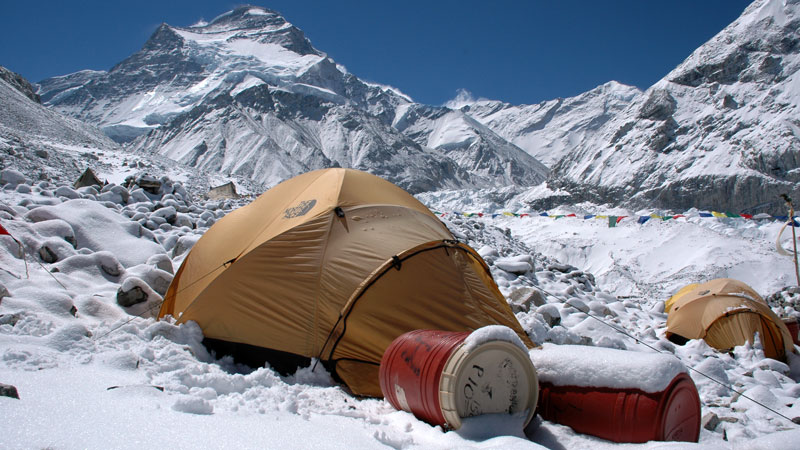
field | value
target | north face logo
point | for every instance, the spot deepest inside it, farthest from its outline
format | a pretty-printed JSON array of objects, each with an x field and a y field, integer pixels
[{"x": 300, "y": 210}]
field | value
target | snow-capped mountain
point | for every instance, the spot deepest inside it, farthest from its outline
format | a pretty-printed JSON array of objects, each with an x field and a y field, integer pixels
[
  {"x": 719, "y": 131},
  {"x": 248, "y": 95},
  {"x": 550, "y": 130}
]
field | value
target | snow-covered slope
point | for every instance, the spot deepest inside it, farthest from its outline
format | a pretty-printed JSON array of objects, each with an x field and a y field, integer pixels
[
  {"x": 720, "y": 131},
  {"x": 471, "y": 144},
  {"x": 550, "y": 130},
  {"x": 247, "y": 94}
]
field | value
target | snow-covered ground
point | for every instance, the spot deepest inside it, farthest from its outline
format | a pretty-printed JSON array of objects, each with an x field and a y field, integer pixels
[{"x": 91, "y": 373}]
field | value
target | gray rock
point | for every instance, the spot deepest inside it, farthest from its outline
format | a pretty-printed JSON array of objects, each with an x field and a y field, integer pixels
[
  {"x": 65, "y": 191},
  {"x": 162, "y": 262},
  {"x": 10, "y": 319},
  {"x": 12, "y": 177},
  {"x": 47, "y": 254},
  {"x": 521, "y": 299},
  {"x": 599, "y": 308},
  {"x": 550, "y": 314},
  {"x": 7, "y": 390},
  {"x": 577, "y": 304},
  {"x": 131, "y": 297}
]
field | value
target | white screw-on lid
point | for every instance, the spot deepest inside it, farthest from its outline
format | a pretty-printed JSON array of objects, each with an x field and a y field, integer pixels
[{"x": 494, "y": 377}]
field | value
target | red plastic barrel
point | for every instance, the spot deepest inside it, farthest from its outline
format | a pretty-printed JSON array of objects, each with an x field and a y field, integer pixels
[
  {"x": 794, "y": 329},
  {"x": 626, "y": 415},
  {"x": 431, "y": 374}
]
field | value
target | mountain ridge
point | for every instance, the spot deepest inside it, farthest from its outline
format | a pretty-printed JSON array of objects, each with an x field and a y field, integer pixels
[
  {"x": 247, "y": 95},
  {"x": 288, "y": 108}
]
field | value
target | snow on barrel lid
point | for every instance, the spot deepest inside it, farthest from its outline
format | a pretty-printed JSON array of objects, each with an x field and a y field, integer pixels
[
  {"x": 584, "y": 366},
  {"x": 490, "y": 373},
  {"x": 492, "y": 333}
]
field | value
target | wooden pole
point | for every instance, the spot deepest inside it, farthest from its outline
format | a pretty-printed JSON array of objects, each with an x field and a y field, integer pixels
[{"x": 794, "y": 236}]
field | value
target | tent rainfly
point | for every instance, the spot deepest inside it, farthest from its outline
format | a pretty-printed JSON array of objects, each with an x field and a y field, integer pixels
[
  {"x": 726, "y": 313},
  {"x": 334, "y": 264}
]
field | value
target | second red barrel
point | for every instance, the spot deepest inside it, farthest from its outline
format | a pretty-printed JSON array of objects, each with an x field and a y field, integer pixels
[
  {"x": 442, "y": 377},
  {"x": 621, "y": 396}
]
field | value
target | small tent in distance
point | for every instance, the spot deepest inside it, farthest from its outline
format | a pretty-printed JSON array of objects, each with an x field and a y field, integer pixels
[
  {"x": 726, "y": 313},
  {"x": 334, "y": 264}
]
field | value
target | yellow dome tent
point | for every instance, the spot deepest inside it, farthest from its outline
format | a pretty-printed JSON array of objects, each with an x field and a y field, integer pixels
[
  {"x": 334, "y": 264},
  {"x": 726, "y": 313}
]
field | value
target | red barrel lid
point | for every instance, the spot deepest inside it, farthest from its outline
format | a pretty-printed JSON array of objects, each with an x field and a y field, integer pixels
[{"x": 680, "y": 411}]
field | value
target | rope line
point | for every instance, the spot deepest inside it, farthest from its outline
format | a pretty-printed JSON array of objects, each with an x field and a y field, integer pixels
[
  {"x": 639, "y": 341},
  {"x": 138, "y": 316}
]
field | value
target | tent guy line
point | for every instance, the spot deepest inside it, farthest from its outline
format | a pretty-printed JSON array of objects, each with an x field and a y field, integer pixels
[{"x": 159, "y": 304}]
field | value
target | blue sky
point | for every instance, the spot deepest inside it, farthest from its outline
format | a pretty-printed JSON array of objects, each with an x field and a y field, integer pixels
[{"x": 522, "y": 52}]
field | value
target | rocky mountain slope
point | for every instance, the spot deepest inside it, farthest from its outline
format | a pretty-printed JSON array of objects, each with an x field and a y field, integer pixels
[
  {"x": 248, "y": 95},
  {"x": 720, "y": 131},
  {"x": 51, "y": 148}
]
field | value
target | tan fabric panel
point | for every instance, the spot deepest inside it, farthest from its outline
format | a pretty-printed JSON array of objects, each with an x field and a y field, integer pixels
[
  {"x": 362, "y": 378},
  {"x": 359, "y": 244},
  {"x": 718, "y": 286},
  {"x": 736, "y": 329},
  {"x": 437, "y": 288},
  {"x": 681, "y": 292},
  {"x": 268, "y": 298},
  {"x": 362, "y": 188},
  {"x": 247, "y": 227}
]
